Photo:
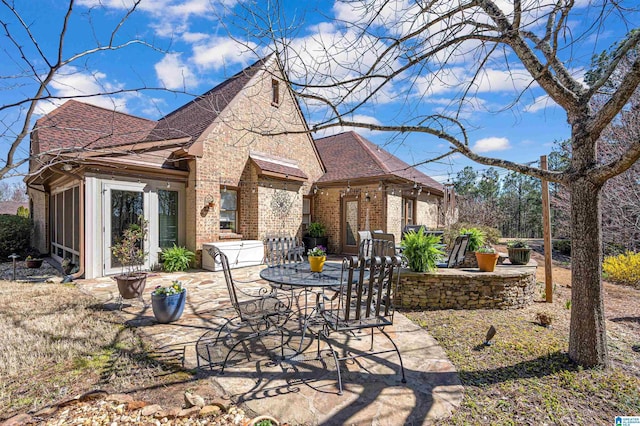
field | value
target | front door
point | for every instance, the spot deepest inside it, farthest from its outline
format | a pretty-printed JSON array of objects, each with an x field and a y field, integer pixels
[{"x": 350, "y": 224}]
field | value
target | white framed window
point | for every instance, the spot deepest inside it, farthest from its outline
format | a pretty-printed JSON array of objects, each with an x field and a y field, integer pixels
[{"x": 228, "y": 210}]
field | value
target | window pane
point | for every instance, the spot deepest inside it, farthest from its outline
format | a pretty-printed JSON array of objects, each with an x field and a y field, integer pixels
[
  {"x": 351, "y": 216},
  {"x": 76, "y": 219},
  {"x": 228, "y": 200},
  {"x": 68, "y": 218},
  {"x": 168, "y": 218},
  {"x": 228, "y": 209},
  {"x": 126, "y": 207}
]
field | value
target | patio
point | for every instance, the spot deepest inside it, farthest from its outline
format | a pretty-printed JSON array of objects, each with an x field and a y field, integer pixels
[{"x": 305, "y": 391}]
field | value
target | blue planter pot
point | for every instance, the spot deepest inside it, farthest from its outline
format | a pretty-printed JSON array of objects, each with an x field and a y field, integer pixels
[{"x": 168, "y": 308}]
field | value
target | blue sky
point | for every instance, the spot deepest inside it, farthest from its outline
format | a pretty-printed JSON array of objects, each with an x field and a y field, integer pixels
[{"x": 200, "y": 43}]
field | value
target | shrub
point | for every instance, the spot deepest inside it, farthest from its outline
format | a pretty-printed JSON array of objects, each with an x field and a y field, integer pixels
[
  {"x": 624, "y": 268},
  {"x": 423, "y": 252},
  {"x": 177, "y": 258},
  {"x": 562, "y": 246},
  {"x": 476, "y": 238},
  {"x": 15, "y": 235},
  {"x": 317, "y": 230},
  {"x": 491, "y": 235}
]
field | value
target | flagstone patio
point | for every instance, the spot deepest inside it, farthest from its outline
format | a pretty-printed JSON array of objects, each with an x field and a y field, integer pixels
[{"x": 303, "y": 391}]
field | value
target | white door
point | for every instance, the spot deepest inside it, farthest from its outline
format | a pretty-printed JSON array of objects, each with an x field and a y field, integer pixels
[{"x": 124, "y": 204}]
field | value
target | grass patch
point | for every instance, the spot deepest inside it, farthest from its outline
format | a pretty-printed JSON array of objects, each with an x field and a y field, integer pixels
[
  {"x": 526, "y": 376},
  {"x": 58, "y": 343}
]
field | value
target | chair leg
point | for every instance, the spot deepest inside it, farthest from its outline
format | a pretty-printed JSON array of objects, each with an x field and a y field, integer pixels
[{"x": 404, "y": 380}]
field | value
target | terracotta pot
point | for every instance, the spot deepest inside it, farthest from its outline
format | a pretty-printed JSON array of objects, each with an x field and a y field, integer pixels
[
  {"x": 317, "y": 263},
  {"x": 487, "y": 261},
  {"x": 519, "y": 256},
  {"x": 131, "y": 286},
  {"x": 33, "y": 263}
]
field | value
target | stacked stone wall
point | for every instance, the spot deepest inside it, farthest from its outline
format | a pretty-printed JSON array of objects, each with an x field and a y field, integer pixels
[{"x": 458, "y": 289}]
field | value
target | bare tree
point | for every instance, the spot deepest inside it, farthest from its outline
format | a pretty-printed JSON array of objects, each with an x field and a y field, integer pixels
[
  {"x": 411, "y": 49},
  {"x": 35, "y": 60}
]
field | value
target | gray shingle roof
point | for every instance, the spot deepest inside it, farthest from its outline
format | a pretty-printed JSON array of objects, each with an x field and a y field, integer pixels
[{"x": 350, "y": 156}]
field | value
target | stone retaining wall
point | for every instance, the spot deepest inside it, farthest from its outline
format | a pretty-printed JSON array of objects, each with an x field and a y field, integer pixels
[{"x": 509, "y": 286}]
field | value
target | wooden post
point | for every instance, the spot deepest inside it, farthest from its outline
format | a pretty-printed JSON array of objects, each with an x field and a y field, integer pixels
[{"x": 546, "y": 232}]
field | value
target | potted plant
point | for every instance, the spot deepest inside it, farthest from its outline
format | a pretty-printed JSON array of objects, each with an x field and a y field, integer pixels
[
  {"x": 129, "y": 251},
  {"x": 316, "y": 236},
  {"x": 487, "y": 258},
  {"x": 168, "y": 302},
  {"x": 476, "y": 238},
  {"x": 177, "y": 259},
  {"x": 423, "y": 252},
  {"x": 33, "y": 261},
  {"x": 519, "y": 252},
  {"x": 317, "y": 256}
]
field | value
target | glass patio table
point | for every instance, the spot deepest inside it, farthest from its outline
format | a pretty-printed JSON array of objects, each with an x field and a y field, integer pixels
[{"x": 303, "y": 283}]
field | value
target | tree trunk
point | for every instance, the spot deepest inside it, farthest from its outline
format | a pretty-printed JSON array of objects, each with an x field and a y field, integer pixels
[{"x": 587, "y": 335}]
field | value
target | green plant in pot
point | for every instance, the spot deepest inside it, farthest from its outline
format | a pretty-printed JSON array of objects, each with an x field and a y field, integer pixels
[
  {"x": 176, "y": 259},
  {"x": 519, "y": 252},
  {"x": 316, "y": 236},
  {"x": 423, "y": 252},
  {"x": 168, "y": 302},
  {"x": 129, "y": 251},
  {"x": 476, "y": 238}
]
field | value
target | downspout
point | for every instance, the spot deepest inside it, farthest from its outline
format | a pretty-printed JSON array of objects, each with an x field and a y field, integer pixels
[{"x": 80, "y": 272}]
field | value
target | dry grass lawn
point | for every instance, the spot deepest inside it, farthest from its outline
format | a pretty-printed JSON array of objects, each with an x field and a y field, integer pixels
[
  {"x": 525, "y": 377},
  {"x": 58, "y": 342}
]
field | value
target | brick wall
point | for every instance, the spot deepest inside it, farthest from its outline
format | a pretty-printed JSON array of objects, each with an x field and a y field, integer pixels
[{"x": 225, "y": 161}]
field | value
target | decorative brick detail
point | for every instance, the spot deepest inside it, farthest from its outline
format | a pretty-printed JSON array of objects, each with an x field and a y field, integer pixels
[{"x": 508, "y": 287}]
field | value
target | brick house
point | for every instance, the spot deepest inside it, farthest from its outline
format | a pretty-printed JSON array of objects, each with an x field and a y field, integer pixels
[
  {"x": 367, "y": 188},
  {"x": 201, "y": 174}
]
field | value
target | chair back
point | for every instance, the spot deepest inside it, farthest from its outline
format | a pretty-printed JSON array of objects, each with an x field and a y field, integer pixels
[
  {"x": 463, "y": 249},
  {"x": 454, "y": 254},
  {"x": 367, "y": 288},
  {"x": 220, "y": 258},
  {"x": 282, "y": 250},
  {"x": 376, "y": 247},
  {"x": 414, "y": 228}
]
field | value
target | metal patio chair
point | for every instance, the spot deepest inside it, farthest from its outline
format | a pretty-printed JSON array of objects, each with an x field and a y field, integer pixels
[
  {"x": 258, "y": 315},
  {"x": 361, "y": 303},
  {"x": 283, "y": 250}
]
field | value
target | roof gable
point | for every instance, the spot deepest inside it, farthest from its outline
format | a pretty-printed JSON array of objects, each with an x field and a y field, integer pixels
[
  {"x": 349, "y": 156},
  {"x": 193, "y": 118}
]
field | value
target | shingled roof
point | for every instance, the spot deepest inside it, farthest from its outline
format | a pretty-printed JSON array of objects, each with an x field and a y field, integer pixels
[
  {"x": 192, "y": 119},
  {"x": 349, "y": 156},
  {"x": 76, "y": 125}
]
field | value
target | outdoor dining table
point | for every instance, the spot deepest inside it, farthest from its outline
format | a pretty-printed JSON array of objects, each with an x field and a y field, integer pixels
[{"x": 303, "y": 283}]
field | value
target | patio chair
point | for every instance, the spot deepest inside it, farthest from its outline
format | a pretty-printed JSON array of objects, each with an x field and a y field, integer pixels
[
  {"x": 376, "y": 247},
  {"x": 457, "y": 252},
  {"x": 361, "y": 303},
  {"x": 259, "y": 315},
  {"x": 414, "y": 228},
  {"x": 283, "y": 250}
]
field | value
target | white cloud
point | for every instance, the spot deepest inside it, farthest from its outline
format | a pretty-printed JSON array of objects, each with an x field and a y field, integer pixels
[
  {"x": 194, "y": 37},
  {"x": 491, "y": 144},
  {"x": 174, "y": 73},
  {"x": 540, "y": 103},
  {"x": 85, "y": 86},
  {"x": 220, "y": 52}
]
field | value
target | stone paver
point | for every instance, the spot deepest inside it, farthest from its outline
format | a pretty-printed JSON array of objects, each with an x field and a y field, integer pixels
[{"x": 302, "y": 392}]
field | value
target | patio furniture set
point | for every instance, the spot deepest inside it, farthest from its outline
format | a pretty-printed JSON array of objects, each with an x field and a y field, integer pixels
[{"x": 302, "y": 306}]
